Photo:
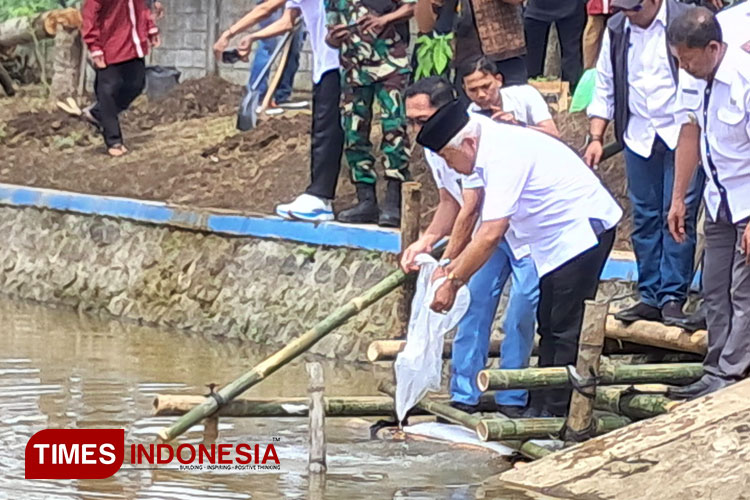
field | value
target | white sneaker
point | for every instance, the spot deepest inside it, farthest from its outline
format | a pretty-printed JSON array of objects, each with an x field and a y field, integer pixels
[
  {"x": 294, "y": 104},
  {"x": 306, "y": 207}
]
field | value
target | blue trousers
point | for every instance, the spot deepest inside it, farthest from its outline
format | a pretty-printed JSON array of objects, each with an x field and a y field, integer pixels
[
  {"x": 263, "y": 52},
  {"x": 471, "y": 344},
  {"x": 665, "y": 267}
]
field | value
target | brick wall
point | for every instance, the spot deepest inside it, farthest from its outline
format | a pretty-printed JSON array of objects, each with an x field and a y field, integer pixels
[{"x": 190, "y": 29}]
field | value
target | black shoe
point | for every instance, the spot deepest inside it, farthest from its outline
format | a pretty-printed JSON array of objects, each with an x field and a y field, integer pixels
[
  {"x": 512, "y": 411},
  {"x": 366, "y": 210},
  {"x": 390, "y": 214},
  {"x": 689, "y": 391},
  {"x": 714, "y": 384},
  {"x": 637, "y": 312},
  {"x": 694, "y": 322},
  {"x": 671, "y": 313}
]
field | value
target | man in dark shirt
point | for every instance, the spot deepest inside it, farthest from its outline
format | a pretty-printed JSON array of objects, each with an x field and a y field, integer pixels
[{"x": 569, "y": 17}]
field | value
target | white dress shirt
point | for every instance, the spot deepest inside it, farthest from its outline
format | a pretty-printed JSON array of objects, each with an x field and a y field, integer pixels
[
  {"x": 524, "y": 102},
  {"x": 652, "y": 92},
  {"x": 735, "y": 24},
  {"x": 725, "y": 137},
  {"x": 549, "y": 195},
  {"x": 325, "y": 58}
]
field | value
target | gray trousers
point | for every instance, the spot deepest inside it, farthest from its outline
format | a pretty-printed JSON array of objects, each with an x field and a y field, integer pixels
[{"x": 726, "y": 291}]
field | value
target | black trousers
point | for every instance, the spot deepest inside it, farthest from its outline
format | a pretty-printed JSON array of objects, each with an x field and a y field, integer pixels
[
  {"x": 562, "y": 293},
  {"x": 116, "y": 86},
  {"x": 570, "y": 32},
  {"x": 327, "y": 137}
]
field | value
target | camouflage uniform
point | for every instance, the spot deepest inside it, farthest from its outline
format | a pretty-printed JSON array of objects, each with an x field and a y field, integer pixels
[{"x": 372, "y": 68}]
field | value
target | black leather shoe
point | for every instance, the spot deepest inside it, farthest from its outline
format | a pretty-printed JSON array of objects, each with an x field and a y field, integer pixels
[
  {"x": 366, "y": 210},
  {"x": 694, "y": 322},
  {"x": 671, "y": 313},
  {"x": 689, "y": 391},
  {"x": 714, "y": 384},
  {"x": 638, "y": 312},
  {"x": 390, "y": 214}
]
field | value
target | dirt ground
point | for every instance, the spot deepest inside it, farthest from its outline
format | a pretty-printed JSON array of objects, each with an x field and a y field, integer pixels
[{"x": 185, "y": 150}]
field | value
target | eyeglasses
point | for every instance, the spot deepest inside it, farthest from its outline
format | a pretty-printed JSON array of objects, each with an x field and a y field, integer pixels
[
  {"x": 636, "y": 8},
  {"x": 416, "y": 122}
]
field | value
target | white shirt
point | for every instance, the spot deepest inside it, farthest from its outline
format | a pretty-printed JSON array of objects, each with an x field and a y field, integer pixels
[
  {"x": 524, "y": 102},
  {"x": 325, "y": 58},
  {"x": 725, "y": 138},
  {"x": 735, "y": 24},
  {"x": 652, "y": 90},
  {"x": 545, "y": 189}
]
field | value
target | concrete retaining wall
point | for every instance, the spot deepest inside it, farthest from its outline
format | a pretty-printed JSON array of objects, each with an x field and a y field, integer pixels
[{"x": 247, "y": 288}]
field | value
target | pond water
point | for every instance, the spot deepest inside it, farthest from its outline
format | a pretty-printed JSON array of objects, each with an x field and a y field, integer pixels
[{"x": 62, "y": 370}]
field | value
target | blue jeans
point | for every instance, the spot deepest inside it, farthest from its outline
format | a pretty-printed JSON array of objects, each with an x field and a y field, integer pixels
[
  {"x": 263, "y": 52},
  {"x": 471, "y": 344},
  {"x": 665, "y": 267}
]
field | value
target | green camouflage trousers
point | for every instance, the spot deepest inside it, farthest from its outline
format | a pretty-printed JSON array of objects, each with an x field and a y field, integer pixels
[{"x": 357, "y": 121}]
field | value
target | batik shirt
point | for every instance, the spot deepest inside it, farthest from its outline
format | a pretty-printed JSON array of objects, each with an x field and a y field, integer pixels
[{"x": 367, "y": 59}]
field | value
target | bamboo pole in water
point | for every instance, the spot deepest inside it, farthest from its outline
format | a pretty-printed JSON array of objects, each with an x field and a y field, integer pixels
[
  {"x": 316, "y": 386},
  {"x": 579, "y": 424},
  {"x": 284, "y": 355},
  {"x": 557, "y": 376},
  {"x": 498, "y": 429}
]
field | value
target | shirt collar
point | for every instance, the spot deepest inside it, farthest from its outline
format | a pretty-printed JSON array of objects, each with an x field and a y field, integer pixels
[{"x": 727, "y": 72}]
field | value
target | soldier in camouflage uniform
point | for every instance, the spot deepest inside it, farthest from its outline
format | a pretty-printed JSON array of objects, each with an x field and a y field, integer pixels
[{"x": 373, "y": 39}]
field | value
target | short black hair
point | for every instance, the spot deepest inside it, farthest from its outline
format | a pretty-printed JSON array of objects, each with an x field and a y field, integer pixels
[
  {"x": 437, "y": 88},
  {"x": 695, "y": 29},
  {"x": 482, "y": 64}
]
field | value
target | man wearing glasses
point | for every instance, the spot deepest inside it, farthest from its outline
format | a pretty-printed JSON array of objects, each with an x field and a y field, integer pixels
[{"x": 637, "y": 87}]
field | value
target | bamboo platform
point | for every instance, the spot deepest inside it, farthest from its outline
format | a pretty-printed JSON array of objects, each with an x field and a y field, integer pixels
[{"x": 699, "y": 449}]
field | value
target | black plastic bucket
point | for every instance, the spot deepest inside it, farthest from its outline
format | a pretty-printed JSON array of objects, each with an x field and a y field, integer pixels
[{"x": 160, "y": 80}]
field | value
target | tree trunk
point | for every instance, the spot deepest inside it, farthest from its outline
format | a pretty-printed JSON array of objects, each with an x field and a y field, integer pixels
[
  {"x": 22, "y": 30},
  {"x": 66, "y": 65}
]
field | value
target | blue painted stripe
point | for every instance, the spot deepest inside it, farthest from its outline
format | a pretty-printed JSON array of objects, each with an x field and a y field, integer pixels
[{"x": 323, "y": 233}]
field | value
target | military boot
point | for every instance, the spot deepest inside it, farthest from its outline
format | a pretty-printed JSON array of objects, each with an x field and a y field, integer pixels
[
  {"x": 366, "y": 210},
  {"x": 390, "y": 215}
]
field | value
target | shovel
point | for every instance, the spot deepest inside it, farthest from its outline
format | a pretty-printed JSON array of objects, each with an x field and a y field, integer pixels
[{"x": 247, "y": 117}]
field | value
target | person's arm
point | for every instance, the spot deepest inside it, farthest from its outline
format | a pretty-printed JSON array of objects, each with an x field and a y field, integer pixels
[
  {"x": 602, "y": 108},
  {"x": 686, "y": 160},
  {"x": 425, "y": 13},
  {"x": 463, "y": 227},
  {"x": 441, "y": 225},
  {"x": 92, "y": 31},
  {"x": 259, "y": 12},
  {"x": 482, "y": 246},
  {"x": 279, "y": 27},
  {"x": 376, "y": 24},
  {"x": 548, "y": 127}
]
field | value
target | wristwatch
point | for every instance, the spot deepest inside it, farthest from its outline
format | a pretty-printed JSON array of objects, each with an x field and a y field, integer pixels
[{"x": 593, "y": 138}]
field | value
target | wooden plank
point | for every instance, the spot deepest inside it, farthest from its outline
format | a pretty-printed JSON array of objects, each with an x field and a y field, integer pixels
[{"x": 625, "y": 445}]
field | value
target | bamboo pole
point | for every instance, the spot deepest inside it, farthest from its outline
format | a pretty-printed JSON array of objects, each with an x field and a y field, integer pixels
[
  {"x": 411, "y": 203},
  {"x": 633, "y": 405},
  {"x": 284, "y": 355},
  {"x": 387, "y": 350},
  {"x": 317, "y": 453},
  {"x": 657, "y": 335},
  {"x": 552, "y": 377},
  {"x": 579, "y": 424},
  {"x": 498, "y": 429}
]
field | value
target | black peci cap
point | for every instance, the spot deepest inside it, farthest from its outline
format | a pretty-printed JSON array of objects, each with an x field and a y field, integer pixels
[{"x": 443, "y": 125}]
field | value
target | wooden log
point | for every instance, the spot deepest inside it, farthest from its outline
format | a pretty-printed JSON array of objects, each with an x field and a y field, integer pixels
[
  {"x": 285, "y": 355},
  {"x": 499, "y": 429},
  {"x": 633, "y": 405},
  {"x": 66, "y": 64},
  {"x": 23, "y": 30},
  {"x": 580, "y": 423},
  {"x": 657, "y": 335},
  {"x": 317, "y": 452},
  {"x": 411, "y": 208},
  {"x": 551, "y": 377},
  {"x": 6, "y": 82}
]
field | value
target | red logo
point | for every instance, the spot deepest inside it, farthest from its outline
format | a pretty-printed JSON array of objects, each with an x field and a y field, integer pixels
[{"x": 75, "y": 453}]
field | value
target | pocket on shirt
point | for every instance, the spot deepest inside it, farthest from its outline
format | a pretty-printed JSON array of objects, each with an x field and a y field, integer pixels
[{"x": 729, "y": 124}]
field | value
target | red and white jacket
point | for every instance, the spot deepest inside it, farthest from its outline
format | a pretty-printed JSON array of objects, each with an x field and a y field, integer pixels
[
  {"x": 595, "y": 7},
  {"x": 117, "y": 29}
]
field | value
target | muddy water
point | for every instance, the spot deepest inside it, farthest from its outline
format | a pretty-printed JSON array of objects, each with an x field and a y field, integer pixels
[{"x": 59, "y": 370}]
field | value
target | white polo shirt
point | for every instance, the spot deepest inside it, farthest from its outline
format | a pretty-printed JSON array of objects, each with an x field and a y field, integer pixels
[
  {"x": 735, "y": 24},
  {"x": 524, "y": 102},
  {"x": 725, "y": 137},
  {"x": 545, "y": 189},
  {"x": 325, "y": 58}
]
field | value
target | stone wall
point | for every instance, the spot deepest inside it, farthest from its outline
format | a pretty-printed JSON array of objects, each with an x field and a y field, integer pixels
[
  {"x": 190, "y": 29},
  {"x": 265, "y": 291}
]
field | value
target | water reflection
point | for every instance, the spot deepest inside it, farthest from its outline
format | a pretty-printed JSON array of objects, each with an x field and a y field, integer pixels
[{"x": 60, "y": 370}]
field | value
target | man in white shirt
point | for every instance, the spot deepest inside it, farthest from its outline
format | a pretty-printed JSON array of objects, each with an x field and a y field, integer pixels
[
  {"x": 717, "y": 122},
  {"x": 636, "y": 86},
  {"x": 327, "y": 137},
  {"x": 471, "y": 342},
  {"x": 538, "y": 193}
]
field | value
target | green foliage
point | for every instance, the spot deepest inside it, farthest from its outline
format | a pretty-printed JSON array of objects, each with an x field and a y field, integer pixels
[
  {"x": 434, "y": 54},
  {"x": 21, "y": 8}
]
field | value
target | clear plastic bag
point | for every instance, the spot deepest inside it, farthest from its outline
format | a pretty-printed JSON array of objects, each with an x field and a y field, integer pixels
[{"x": 419, "y": 366}]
